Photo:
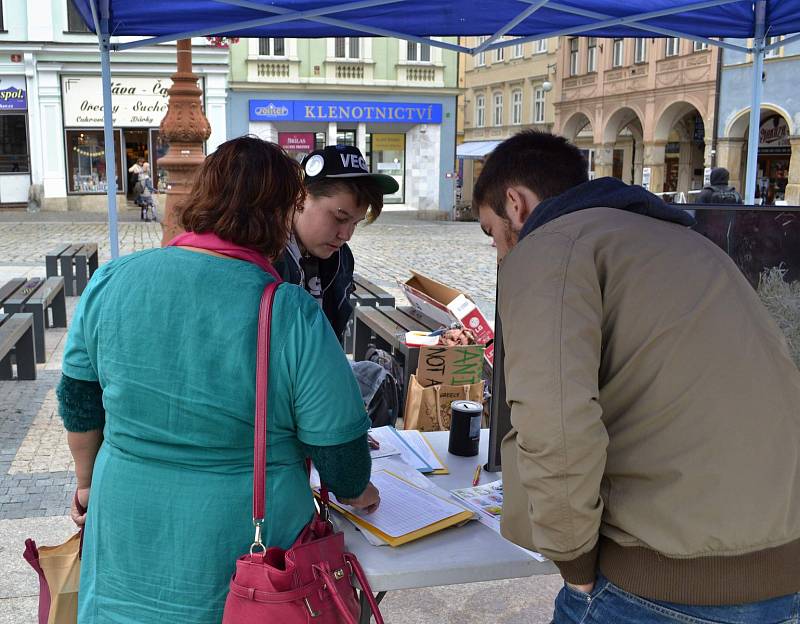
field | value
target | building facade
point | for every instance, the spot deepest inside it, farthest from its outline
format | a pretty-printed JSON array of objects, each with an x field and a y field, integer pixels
[
  {"x": 643, "y": 110},
  {"x": 505, "y": 91},
  {"x": 778, "y": 174},
  {"x": 394, "y": 100},
  {"x": 51, "y": 121}
]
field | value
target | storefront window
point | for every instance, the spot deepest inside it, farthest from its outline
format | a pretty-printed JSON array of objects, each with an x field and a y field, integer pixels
[
  {"x": 14, "y": 156},
  {"x": 160, "y": 147},
  {"x": 86, "y": 161},
  {"x": 319, "y": 140},
  {"x": 346, "y": 137},
  {"x": 388, "y": 153},
  {"x": 75, "y": 22}
]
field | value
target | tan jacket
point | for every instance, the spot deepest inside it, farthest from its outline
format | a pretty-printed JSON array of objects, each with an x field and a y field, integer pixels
[{"x": 654, "y": 406}]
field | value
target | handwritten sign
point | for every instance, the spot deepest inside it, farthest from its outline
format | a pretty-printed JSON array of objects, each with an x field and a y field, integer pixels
[{"x": 450, "y": 366}]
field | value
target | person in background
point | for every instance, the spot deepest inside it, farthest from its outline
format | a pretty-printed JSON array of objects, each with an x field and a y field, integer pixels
[
  {"x": 654, "y": 453},
  {"x": 718, "y": 190},
  {"x": 160, "y": 423},
  {"x": 340, "y": 193}
]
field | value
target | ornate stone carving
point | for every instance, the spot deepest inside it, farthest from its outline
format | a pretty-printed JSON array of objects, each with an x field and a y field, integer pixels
[{"x": 185, "y": 128}]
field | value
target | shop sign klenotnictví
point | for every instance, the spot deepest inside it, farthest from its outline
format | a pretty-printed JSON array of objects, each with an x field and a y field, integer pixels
[
  {"x": 325, "y": 110},
  {"x": 13, "y": 93}
]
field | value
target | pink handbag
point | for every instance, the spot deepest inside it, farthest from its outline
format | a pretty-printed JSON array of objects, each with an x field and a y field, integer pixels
[{"x": 314, "y": 579}]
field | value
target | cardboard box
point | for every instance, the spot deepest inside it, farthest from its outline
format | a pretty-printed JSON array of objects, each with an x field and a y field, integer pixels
[
  {"x": 450, "y": 366},
  {"x": 445, "y": 304}
]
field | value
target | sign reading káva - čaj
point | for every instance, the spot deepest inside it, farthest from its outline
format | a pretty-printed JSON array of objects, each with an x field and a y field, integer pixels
[
  {"x": 136, "y": 101},
  {"x": 328, "y": 110}
]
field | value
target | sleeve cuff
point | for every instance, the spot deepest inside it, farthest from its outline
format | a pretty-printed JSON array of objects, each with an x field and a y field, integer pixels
[{"x": 580, "y": 571}]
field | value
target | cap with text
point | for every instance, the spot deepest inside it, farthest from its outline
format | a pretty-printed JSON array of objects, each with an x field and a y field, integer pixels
[{"x": 343, "y": 161}]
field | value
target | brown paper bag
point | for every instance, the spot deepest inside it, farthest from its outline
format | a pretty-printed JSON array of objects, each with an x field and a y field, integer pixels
[
  {"x": 428, "y": 409},
  {"x": 59, "y": 570}
]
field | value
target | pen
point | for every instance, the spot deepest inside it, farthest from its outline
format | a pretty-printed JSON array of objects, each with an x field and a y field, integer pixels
[{"x": 477, "y": 476}]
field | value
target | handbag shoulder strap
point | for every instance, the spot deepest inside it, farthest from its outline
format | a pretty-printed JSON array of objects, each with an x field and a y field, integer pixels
[{"x": 262, "y": 392}]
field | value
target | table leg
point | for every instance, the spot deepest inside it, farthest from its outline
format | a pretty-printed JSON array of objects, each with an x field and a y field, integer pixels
[
  {"x": 69, "y": 277},
  {"x": 366, "y": 612},
  {"x": 26, "y": 356},
  {"x": 93, "y": 264}
]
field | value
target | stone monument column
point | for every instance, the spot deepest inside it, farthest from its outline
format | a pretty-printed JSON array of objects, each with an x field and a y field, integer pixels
[{"x": 185, "y": 128}]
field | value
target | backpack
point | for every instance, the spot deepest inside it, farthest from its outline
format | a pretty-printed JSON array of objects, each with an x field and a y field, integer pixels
[
  {"x": 386, "y": 403},
  {"x": 725, "y": 195}
]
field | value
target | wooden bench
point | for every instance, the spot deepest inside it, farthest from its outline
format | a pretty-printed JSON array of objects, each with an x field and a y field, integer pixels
[
  {"x": 37, "y": 296},
  {"x": 16, "y": 341},
  {"x": 386, "y": 326},
  {"x": 367, "y": 295},
  {"x": 77, "y": 264}
]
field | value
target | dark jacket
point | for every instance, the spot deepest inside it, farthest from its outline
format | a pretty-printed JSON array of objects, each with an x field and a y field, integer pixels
[
  {"x": 336, "y": 275},
  {"x": 716, "y": 183}
]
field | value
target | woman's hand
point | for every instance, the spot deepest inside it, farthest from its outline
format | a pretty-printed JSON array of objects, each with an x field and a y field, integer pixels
[
  {"x": 368, "y": 501},
  {"x": 83, "y": 498}
]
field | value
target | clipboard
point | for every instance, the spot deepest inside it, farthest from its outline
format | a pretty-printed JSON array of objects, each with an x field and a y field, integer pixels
[{"x": 400, "y": 488}]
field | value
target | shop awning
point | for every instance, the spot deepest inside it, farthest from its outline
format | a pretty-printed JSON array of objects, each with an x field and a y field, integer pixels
[{"x": 475, "y": 150}]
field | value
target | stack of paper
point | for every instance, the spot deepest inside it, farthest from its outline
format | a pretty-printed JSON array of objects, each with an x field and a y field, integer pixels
[
  {"x": 413, "y": 448},
  {"x": 406, "y": 512}
]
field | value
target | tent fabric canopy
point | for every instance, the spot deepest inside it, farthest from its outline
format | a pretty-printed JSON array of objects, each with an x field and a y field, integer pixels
[
  {"x": 423, "y": 18},
  {"x": 475, "y": 150},
  {"x": 746, "y": 24}
]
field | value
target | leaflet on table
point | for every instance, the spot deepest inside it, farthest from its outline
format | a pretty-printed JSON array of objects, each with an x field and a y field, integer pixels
[
  {"x": 422, "y": 447},
  {"x": 414, "y": 449},
  {"x": 406, "y": 512},
  {"x": 487, "y": 501}
]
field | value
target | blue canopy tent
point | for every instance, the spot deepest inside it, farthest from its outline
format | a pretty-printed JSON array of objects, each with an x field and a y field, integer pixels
[{"x": 158, "y": 21}]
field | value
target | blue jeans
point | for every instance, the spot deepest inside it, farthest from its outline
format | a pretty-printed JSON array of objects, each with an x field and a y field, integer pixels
[{"x": 608, "y": 604}]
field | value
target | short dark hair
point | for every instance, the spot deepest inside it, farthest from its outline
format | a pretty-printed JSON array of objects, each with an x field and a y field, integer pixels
[
  {"x": 246, "y": 192},
  {"x": 367, "y": 193},
  {"x": 545, "y": 163}
]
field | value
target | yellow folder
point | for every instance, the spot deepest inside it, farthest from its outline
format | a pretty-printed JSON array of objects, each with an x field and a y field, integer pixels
[{"x": 406, "y": 506}]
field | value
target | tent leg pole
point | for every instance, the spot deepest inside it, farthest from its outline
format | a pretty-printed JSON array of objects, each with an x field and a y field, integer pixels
[
  {"x": 755, "y": 107},
  {"x": 108, "y": 135}
]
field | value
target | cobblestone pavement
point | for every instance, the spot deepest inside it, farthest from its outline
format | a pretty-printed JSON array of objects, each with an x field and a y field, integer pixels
[{"x": 36, "y": 478}]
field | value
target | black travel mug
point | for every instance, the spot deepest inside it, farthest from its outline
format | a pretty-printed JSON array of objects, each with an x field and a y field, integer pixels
[{"x": 465, "y": 428}]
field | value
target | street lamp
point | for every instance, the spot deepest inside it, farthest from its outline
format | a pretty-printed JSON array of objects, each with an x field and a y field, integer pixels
[{"x": 547, "y": 86}]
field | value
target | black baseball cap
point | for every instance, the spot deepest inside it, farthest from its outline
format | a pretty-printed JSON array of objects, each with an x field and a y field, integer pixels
[{"x": 343, "y": 161}]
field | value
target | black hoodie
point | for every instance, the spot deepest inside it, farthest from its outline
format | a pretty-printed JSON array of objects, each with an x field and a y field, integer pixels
[{"x": 604, "y": 193}]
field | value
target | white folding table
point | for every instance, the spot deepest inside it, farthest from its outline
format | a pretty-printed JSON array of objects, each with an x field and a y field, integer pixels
[{"x": 465, "y": 554}]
